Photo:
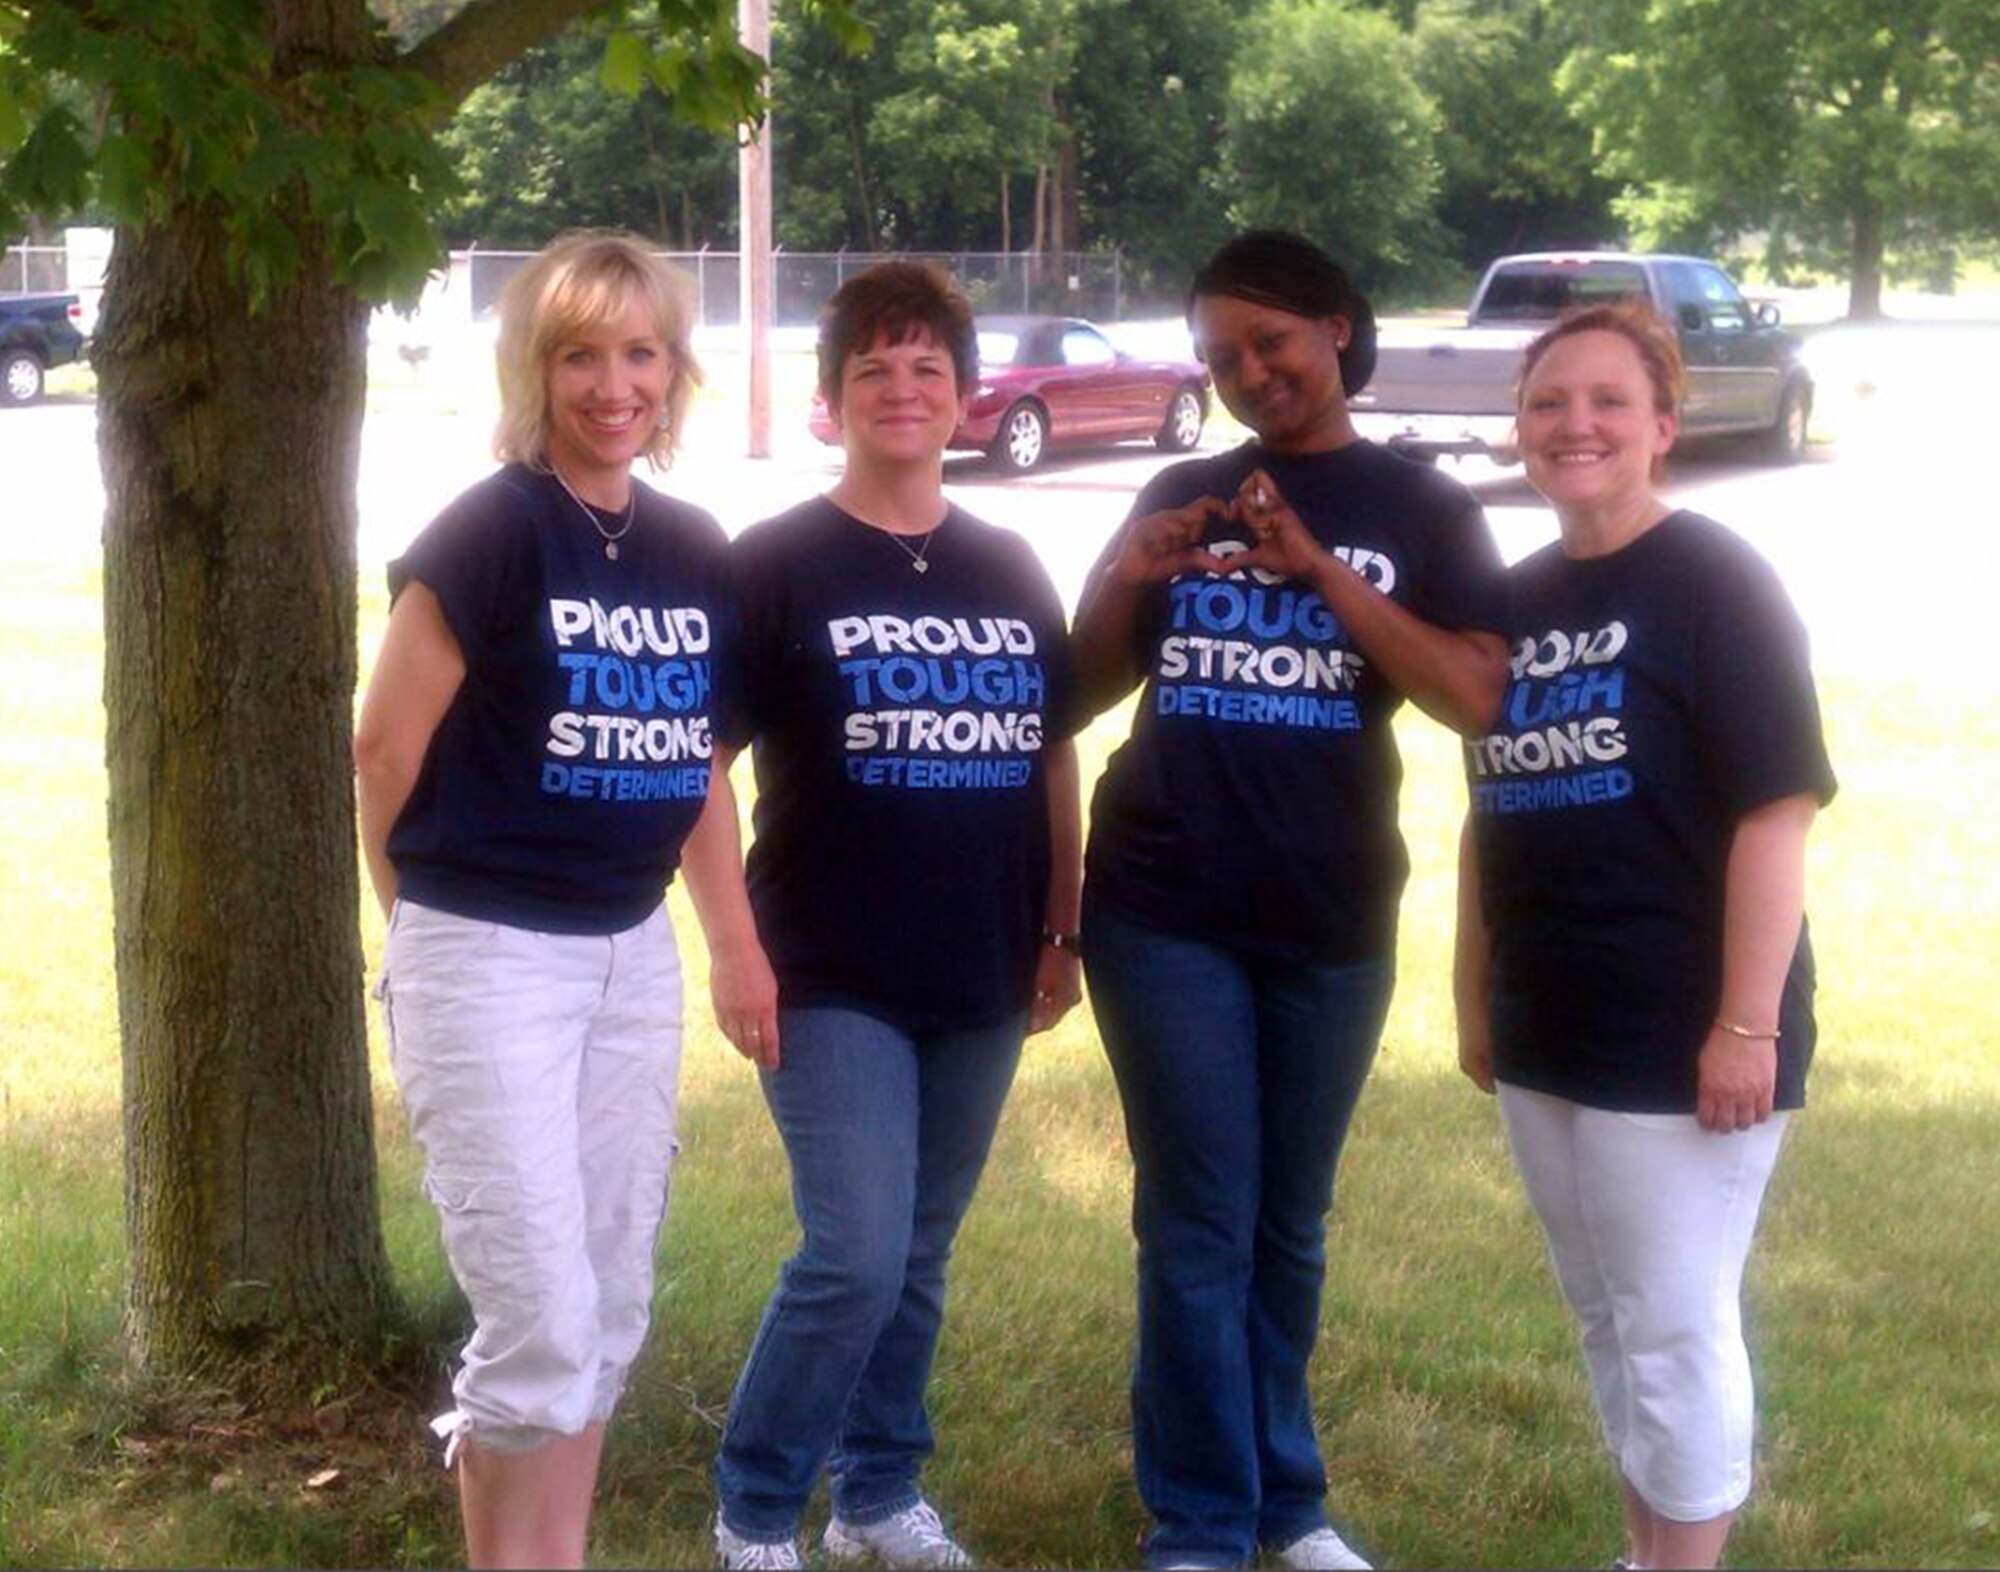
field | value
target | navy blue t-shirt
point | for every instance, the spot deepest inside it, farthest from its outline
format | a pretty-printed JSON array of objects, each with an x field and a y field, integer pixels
[
  {"x": 901, "y": 859},
  {"x": 1254, "y": 805},
  {"x": 1658, "y": 695},
  {"x": 574, "y": 758}
]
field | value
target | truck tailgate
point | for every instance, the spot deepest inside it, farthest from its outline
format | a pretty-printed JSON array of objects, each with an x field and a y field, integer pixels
[{"x": 1463, "y": 371}]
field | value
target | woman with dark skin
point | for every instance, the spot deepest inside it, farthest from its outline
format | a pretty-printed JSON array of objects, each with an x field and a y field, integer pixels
[
  {"x": 1277, "y": 603},
  {"x": 1632, "y": 973}
]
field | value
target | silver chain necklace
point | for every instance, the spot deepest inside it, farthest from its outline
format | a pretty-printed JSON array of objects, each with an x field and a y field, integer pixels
[
  {"x": 610, "y": 539},
  {"x": 916, "y": 554}
]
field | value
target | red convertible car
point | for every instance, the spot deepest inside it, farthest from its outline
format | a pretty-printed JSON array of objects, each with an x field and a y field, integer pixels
[{"x": 1047, "y": 382}]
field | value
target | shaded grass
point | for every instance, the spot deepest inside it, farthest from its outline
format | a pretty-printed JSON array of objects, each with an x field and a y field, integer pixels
[{"x": 1454, "y": 1409}]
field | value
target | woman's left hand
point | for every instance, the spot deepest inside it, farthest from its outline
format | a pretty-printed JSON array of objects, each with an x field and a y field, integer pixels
[
  {"x": 1058, "y": 987},
  {"x": 744, "y": 991},
  {"x": 1737, "y": 1078},
  {"x": 1280, "y": 543}
]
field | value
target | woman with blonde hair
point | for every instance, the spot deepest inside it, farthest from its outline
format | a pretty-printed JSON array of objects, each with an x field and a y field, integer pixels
[{"x": 533, "y": 751}]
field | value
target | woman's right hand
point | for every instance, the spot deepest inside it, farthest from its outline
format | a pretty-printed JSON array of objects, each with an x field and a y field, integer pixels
[
  {"x": 1475, "y": 1049},
  {"x": 1164, "y": 545},
  {"x": 744, "y": 992}
]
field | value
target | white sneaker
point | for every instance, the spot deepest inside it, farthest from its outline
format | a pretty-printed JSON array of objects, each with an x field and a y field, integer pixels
[
  {"x": 755, "y": 1555},
  {"x": 913, "y": 1537},
  {"x": 1320, "y": 1551}
]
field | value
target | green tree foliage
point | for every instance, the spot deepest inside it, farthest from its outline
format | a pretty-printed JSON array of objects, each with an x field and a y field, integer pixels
[
  {"x": 1150, "y": 101},
  {"x": 912, "y": 144},
  {"x": 1515, "y": 163},
  {"x": 543, "y": 148},
  {"x": 973, "y": 104},
  {"x": 273, "y": 166},
  {"x": 1841, "y": 131},
  {"x": 1329, "y": 133}
]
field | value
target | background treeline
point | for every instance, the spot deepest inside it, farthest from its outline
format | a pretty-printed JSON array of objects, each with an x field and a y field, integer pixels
[{"x": 1418, "y": 138}]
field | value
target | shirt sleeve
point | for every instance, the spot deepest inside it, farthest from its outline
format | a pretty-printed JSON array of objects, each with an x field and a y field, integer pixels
[
  {"x": 1062, "y": 716},
  {"x": 1464, "y": 582},
  {"x": 468, "y": 558},
  {"x": 1759, "y": 723},
  {"x": 755, "y": 595}
]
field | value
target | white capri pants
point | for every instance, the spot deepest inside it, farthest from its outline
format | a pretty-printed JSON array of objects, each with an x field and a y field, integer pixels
[
  {"x": 540, "y": 1073},
  {"x": 1649, "y": 1219}
]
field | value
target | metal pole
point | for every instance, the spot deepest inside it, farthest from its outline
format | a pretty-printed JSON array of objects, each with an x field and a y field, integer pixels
[{"x": 754, "y": 200}]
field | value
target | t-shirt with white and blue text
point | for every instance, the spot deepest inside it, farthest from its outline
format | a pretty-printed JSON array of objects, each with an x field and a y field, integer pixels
[
  {"x": 573, "y": 760},
  {"x": 901, "y": 859},
  {"x": 1657, "y": 695},
  {"x": 1254, "y": 805}
]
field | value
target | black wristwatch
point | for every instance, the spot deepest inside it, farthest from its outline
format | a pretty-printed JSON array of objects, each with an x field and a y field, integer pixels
[{"x": 1056, "y": 939}]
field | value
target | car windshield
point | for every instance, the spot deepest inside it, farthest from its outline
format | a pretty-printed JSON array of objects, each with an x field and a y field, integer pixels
[
  {"x": 1537, "y": 292},
  {"x": 997, "y": 349}
]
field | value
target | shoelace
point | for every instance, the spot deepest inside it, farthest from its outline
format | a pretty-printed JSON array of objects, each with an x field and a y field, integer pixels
[
  {"x": 926, "y": 1528},
  {"x": 759, "y": 1557}
]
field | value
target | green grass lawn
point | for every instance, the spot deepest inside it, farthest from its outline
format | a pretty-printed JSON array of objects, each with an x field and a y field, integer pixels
[{"x": 1453, "y": 1407}]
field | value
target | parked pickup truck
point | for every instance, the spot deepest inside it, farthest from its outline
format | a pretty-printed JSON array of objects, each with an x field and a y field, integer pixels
[
  {"x": 1451, "y": 390},
  {"x": 36, "y": 333}
]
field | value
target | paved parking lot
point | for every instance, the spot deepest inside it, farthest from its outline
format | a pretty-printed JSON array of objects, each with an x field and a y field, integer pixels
[{"x": 1887, "y": 537}]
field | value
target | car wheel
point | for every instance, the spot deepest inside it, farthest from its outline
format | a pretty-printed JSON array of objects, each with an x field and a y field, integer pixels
[
  {"x": 20, "y": 377},
  {"x": 1181, "y": 429},
  {"x": 1785, "y": 442},
  {"x": 1024, "y": 437}
]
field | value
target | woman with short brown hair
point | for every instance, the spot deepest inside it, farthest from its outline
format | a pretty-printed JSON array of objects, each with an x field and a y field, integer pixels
[{"x": 911, "y": 914}]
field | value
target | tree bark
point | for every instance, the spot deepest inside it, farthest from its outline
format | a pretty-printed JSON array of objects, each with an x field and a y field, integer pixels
[
  {"x": 229, "y": 441},
  {"x": 863, "y": 195},
  {"x": 1864, "y": 288}
]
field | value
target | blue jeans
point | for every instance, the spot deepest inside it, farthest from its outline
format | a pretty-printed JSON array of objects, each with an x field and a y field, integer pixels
[
  {"x": 1238, "y": 1075},
  {"x": 887, "y": 1134}
]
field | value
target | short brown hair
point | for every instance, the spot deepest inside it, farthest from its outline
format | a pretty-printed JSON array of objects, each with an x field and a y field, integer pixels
[
  {"x": 888, "y": 304},
  {"x": 1639, "y": 325},
  {"x": 580, "y": 281}
]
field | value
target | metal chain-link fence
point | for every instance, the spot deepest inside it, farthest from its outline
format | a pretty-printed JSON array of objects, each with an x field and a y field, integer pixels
[{"x": 1079, "y": 283}]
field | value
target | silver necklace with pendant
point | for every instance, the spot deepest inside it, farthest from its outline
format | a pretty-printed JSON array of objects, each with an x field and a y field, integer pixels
[
  {"x": 916, "y": 554},
  {"x": 610, "y": 538}
]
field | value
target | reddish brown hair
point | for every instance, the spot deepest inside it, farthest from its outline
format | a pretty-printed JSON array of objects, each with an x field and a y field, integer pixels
[
  {"x": 891, "y": 303},
  {"x": 1640, "y": 326}
]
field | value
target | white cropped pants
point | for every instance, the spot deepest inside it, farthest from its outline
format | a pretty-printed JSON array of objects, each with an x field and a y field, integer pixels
[
  {"x": 540, "y": 1073},
  {"x": 1649, "y": 1219}
]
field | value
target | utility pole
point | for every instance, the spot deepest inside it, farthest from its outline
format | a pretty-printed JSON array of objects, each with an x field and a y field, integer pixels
[{"x": 753, "y": 21}]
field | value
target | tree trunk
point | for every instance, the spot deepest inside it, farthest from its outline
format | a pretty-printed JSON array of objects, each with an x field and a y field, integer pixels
[
  {"x": 1006, "y": 212},
  {"x": 229, "y": 444},
  {"x": 863, "y": 195},
  {"x": 1069, "y": 198},
  {"x": 229, "y": 441},
  {"x": 1864, "y": 288}
]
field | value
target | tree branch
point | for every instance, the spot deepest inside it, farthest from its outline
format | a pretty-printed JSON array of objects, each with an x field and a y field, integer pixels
[{"x": 487, "y": 36}]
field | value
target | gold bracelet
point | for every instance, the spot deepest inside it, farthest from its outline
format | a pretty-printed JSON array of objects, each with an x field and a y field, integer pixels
[{"x": 1743, "y": 1031}]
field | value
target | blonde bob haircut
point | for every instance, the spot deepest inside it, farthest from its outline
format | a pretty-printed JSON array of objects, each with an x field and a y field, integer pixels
[{"x": 576, "y": 284}]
